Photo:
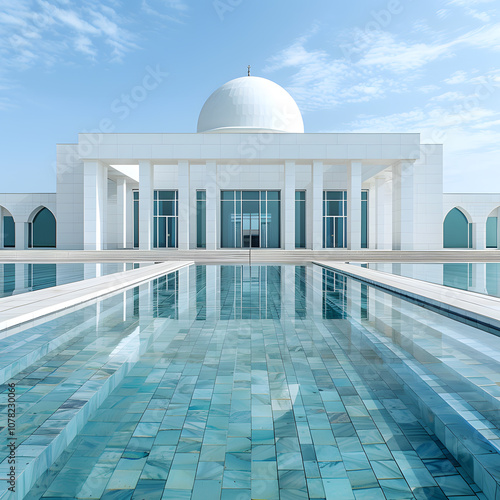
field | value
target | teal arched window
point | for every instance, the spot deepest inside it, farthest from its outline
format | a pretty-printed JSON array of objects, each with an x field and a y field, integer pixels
[
  {"x": 456, "y": 230},
  {"x": 43, "y": 230}
]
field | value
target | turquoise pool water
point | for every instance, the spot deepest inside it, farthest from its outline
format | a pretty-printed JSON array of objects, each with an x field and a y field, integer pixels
[
  {"x": 16, "y": 278},
  {"x": 477, "y": 277},
  {"x": 267, "y": 382}
]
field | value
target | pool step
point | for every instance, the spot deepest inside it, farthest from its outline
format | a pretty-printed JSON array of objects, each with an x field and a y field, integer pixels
[
  {"x": 446, "y": 415},
  {"x": 37, "y": 453},
  {"x": 22, "y": 349}
]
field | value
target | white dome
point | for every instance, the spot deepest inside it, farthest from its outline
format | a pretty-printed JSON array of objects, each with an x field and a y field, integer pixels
[{"x": 250, "y": 104}]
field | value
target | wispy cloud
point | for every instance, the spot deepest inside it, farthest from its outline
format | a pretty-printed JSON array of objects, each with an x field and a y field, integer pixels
[
  {"x": 373, "y": 64},
  {"x": 45, "y": 32},
  {"x": 459, "y": 109},
  {"x": 322, "y": 81},
  {"x": 52, "y": 31},
  {"x": 471, "y": 11},
  {"x": 469, "y": 130},
  {"x": 169, "y": 10}
]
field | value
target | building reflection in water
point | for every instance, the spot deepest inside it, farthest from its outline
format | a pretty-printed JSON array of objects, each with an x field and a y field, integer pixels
[
  {"x": 334, "y": 295},
  {"x": 234, "y": 292},
  {"x": 201, "y": 293},
  {"x": 250, "y": 292},
  {"x": 166, "y": 296},
  {"x": 300, "y": 292}
]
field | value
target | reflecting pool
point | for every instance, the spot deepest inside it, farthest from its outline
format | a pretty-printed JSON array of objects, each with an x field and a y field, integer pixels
[
  {"x": 16, "y": 278},
  {"x": 476, "y": 277},
  {"x": 238, "y": 382}
]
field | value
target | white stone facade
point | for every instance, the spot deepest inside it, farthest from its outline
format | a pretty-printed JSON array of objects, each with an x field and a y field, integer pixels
[{"x": 98, "y": 177}]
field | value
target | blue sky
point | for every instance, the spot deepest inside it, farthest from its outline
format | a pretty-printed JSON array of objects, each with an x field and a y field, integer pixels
[{"x": 373, "y": 66}]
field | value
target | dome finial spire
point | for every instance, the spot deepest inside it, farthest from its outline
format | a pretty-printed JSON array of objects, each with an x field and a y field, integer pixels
[{"x": 249, "y": 68}]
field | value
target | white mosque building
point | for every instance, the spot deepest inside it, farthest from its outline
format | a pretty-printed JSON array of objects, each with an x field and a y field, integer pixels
[{"x": 250, "y": 176}]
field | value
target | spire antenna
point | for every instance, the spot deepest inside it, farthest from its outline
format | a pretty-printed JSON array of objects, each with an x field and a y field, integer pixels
[{"x": 249, "y": 68}]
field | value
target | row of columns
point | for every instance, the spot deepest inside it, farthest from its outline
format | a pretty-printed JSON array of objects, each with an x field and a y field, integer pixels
[{"x": 95, "y": 202}]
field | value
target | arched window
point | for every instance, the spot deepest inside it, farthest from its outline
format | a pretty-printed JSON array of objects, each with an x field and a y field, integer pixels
[
  {"x": 8, "y": 236},
  {"x": 492, "y": 229},
  {"x": 457, "y": 232},
  {"x": 42, "y": 231}
]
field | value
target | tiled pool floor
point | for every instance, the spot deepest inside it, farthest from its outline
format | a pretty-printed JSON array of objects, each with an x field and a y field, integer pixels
[{"x": 275, "y": 382}]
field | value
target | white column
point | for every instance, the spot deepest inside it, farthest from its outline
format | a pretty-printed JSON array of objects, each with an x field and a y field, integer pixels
[
  {"x": 317, "y": 205},
  {"x": 146, "y": 188},
  {"x": 402, "y": 206},
  {"x": 383, "y": 213},
  {"x": 289, "y": 206},
  {"x": 211, "y": 205},
  {"x": 21, "y": 235},
  {"x": 372, "y": 215},
  {"x": 184, "y": 205},
  {"x": 129, "y": 230},
  {"x": 121, "y": 205},
  {"x": 354, "y": 170},
  {"x": 95, "y": 202},
  {"x": 479, "y": 234}
]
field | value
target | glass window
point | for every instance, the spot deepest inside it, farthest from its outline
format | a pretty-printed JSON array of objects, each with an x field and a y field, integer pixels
[
  {"x": 167, "y": 195},
  {"x": 335, "y": 219},
  {"x": 44, "y": 229},
  {"x": 166, "y": 208},
  {"x": 300, "y": 219},
  {"x": 9, "y": 232},
  {"x": 491, "y": 232},
  {"x": 250, "y": 195},
  {"x": 250, "y": 218},
  {"x": 165, "y": 219},
  {"x": 273, "y": 224},
  {"x": 201, "y": 219},
  {"x": 457, "y": 231},
  {"x": 335, "y": 195},
  {"x": 340, "y": 230},
  {"x": 364, "y": 219}
]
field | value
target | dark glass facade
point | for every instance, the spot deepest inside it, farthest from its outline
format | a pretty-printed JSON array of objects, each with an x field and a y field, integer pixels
[
  {"x": 250, "y": 219},
  {"x": 165, "y": 223}
]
